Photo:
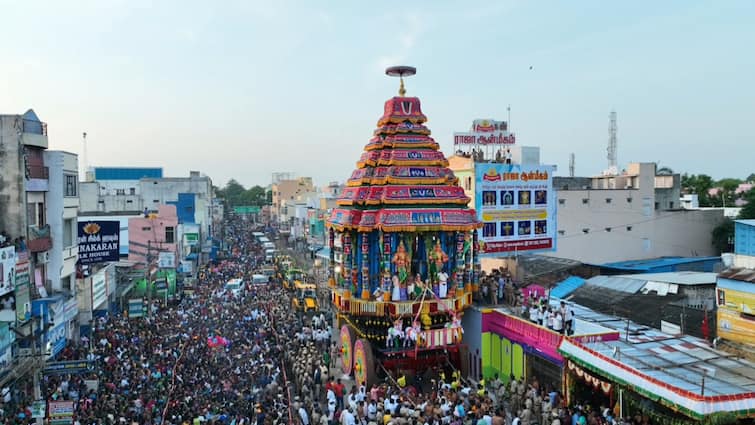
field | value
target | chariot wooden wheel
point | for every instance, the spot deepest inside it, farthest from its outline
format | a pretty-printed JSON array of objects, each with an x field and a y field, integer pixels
[
  {"x": 364, "y": 363},
  {"x": 347, "y": 348}
]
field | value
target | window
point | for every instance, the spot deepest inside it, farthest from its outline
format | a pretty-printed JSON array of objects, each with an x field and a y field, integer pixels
[
  {"x": 157, "y": 201},
  {"x": 70, "y": 185},
  {"x": 671, "y": 205},
  {"x": 40, "y": 214},
  {"x": 132, "y": 191},
  {"x": 561, "y": 201},
  {"x": 146, "y": 229},
  {"x": 629, "y": 200},
  {"x": 170, "y": 234},
  {"x": 129, "y": 201},
  {"x": 68, "y": 232},
  {"x": 120, "y": 192},
  {"x": 585, "y": 200},
  {"x": 585, "y": 230},
  {"x": 721, "y": 296},
  {"x": 608, "y": 200},
  {"x": 562, "y": 232},
  {"x": 657, "y": 205},
  {"x": 629, "y": 228},
  {"x": 468, "y": 183}
]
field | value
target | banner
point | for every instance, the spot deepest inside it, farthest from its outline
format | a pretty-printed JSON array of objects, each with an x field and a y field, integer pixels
[
  {"x": 23, "y": 295},
  {"x": 517, "y": 208},
  {"x": 60, "y": 412},
  {"x": 485, "y": 132},
  {"x": 7, "y": 270},
  {"x": 98, "y": 241},
  {"x": 99, "y": 289},
  {"x": 166, "y": 260},
  {"x": 72, "y": 367},
  {"x": 135, "y": 308}
]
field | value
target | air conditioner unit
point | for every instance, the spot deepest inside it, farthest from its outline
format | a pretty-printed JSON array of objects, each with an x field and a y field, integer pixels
[{"x": 43, "y": 257}]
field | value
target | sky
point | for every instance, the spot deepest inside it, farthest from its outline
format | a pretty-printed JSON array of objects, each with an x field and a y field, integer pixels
[{"x": 242, "y": 89}]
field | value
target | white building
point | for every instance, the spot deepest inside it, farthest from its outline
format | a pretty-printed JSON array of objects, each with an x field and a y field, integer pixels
[
  {"x": 62, "y": 212},
  {"x": 633, "y": 215}
]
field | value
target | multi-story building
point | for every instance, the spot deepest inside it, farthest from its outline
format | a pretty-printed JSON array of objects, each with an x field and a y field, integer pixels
[
  {"x": 62, "y": 212},
  {"x": 38, "y": 204},
  {"x": 286, "y": 193},
  {"x": 735, "y": 293},
  {"x": 124, "y": 193},
  {"x": 638, "y": 211}
]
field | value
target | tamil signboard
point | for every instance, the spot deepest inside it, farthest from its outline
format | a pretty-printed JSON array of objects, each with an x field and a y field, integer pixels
[
  {"x": 517, "y": 208},
  {"x": 484, "y": 133},
  {"x": 72, "y": 367},
  {"x": 7, "y": 270},
  {"x": 191, "y": 238},
  {"x": 98, "y": 241}
]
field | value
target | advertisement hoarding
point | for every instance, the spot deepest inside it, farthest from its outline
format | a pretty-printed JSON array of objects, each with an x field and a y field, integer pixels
[
  {"x": 166, "y": 260},
  {"x": 7, "y": 270},
  {"x": 99, "y": 289},
  {"x": 23, "y": 295},
  {"x": 485, "y": 132},
  {"x": 98, "y": 241},
  {"x": 517, "y": 207}
]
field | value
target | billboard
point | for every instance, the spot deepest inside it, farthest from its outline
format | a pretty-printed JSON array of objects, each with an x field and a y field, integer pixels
[
  {"x": 7, "y": 270},
  {"x": 166, "y": 260},
  {"x": 485, "y": 132},
  {"x": 23, "y": 292},
  {"x": 517, "y": 208},
  {"x": 98, "y": 241}
]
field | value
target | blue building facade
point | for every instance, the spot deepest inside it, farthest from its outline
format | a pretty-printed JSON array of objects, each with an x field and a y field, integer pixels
[{"x": 744, "y": 237}]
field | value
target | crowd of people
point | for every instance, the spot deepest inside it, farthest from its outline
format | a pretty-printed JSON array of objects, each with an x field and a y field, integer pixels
[{"x": 217, "y": 357}]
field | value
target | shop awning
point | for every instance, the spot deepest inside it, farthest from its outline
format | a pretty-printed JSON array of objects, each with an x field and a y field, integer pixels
[{"x": 678, "y": 394}]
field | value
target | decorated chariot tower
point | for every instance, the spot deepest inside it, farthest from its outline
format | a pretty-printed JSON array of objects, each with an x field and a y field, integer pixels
[{"x": 402, "y": 246}]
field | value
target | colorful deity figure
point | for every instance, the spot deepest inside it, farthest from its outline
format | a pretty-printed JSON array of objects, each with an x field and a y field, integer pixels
[
  {"x": 401, "y": 260},
  {"x": 395, "y": 335},
  {"x": 412, "y": 334},
  {"x": 437, "y": 259}
]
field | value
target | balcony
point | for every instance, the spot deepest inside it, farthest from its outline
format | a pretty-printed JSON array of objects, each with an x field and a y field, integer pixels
[
  {"x": 360, "y": 307},
  {"x": 37, "y": 172},
  {"x": 39, "y": 239},
  {"x": 34, "y": 133}
]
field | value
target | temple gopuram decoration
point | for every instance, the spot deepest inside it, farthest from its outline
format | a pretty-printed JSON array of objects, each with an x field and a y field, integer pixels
[{"x": 403, "y": 250}]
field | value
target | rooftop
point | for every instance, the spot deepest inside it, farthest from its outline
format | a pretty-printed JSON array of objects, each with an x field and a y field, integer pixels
[
  {"x": 680, "y": 361},
  {"x": 652, "y": 263}
]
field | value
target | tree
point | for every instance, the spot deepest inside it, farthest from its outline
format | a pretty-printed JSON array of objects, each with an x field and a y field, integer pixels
[
  {"x": 664, "y": 171},
  {"x": 751, "y": 178},
  {"x": 748, "y": 210},
  {"x": 698, "y": 184},
  {"x": 723, "y": 236}
]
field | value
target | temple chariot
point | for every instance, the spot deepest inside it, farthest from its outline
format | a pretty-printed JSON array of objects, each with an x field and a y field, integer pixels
[{"x": 403, "y": 251}]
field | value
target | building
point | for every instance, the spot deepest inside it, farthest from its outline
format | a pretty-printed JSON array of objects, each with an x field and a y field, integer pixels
[
  {"x": 154, "y": 243},
  {"x": 735, "y": 293},
  {"x": 38, "y": 207},
  {"x": 675, "y": 302},
  {"x": 286, "y": 193},
  {"x": 62, "y": 212},
  {"x": 613, "y": 362},
  {"x": 124, "y": 192},
  {"x": 638, "y": 210}
]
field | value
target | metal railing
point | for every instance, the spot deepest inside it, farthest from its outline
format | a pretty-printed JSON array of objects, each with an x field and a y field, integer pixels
[{"x": 37, "y": 172}]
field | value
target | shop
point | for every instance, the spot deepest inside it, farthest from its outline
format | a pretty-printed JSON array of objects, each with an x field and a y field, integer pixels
[{"x": 672, "y": 381}]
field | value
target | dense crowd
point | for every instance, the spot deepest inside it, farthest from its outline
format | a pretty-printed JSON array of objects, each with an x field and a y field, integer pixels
[{"x": 223, "y": 358}]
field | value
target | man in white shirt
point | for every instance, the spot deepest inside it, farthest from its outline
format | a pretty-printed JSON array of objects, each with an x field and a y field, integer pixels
[
  {"x": 442, "y": 284},
  {"x": 303, "y": 415}
]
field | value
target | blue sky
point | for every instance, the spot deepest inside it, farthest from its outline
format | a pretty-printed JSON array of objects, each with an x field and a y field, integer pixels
[{"x": 245, "y": 88}]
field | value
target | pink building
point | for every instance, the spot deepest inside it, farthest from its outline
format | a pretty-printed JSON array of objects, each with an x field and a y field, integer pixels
[{"x": 154, "y": 236}]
